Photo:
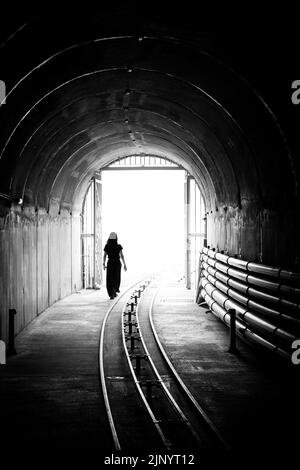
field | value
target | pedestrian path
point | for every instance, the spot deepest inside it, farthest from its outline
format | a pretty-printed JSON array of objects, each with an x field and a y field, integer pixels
[{"x": 50, "y": 391}]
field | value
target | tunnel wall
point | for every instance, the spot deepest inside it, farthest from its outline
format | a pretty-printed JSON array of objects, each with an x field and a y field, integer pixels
[
  {"x": 41, "y": 263},
  {"x": 99, "y": 89},
  {"x": 256, "y": 234}
]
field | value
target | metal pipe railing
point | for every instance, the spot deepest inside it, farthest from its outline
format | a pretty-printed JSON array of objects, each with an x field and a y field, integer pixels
[
  {"x": 275, "y": 315},
  {"x": 279, "y": 302},
  {"x": 247, "y": 316},
  {"x": 267, "y": 314},
  {"x": 242, "y": 330},
  {"x": 250, "y": 279},
  {"x": 253, "y": 267}
]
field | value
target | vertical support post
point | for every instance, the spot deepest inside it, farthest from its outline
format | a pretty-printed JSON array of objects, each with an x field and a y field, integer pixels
[
  {"x": 11, "y": 333},
  {"x": 97, "y": 230},
  {"x": 198, "y": 280},
  {"x": 187, "y": 196},
  {"x": 82, "y": 257},
  {"x": 94, "y": 230},
  {"x": 205, "y": 232},
  {"x": 194, "y": 267},
  {"x": 232, "y": 347}
]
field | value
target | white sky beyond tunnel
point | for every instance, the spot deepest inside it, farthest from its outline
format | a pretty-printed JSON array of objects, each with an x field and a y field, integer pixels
[{"x": 146, "y": 209}]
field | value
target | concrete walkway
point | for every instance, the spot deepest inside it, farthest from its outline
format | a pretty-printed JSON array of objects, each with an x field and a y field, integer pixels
[
  {"x": 50, "y": 391},
  {"x": 251, "y": 398}
]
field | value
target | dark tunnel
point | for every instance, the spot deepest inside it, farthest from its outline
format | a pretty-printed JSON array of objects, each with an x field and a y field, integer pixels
[
  {"x": 86, "y": 96},
  {"x": 86, "y": 90}
]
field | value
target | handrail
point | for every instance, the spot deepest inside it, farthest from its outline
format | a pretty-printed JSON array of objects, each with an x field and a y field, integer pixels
[
  {"x": 242, "y": 330},
  {"x": 257, "y": 306},
  {"x": 262, "y": 269},
  {"x": 247, "y": 316},
  {"x": 248, "y": 290},
  {"x": 267, "y": 313},
  {"x": 248, "y": 278}
]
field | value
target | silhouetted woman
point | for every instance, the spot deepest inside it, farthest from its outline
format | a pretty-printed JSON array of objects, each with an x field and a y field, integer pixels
[{"x": 114, "y": 252}]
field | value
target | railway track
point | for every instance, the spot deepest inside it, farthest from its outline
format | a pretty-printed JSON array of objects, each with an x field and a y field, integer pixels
[{"x": 149, "y": 407}]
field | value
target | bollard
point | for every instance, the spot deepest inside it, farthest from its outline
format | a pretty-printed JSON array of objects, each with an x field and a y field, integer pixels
[
  {"x": 129, "y": 327},
  {"x": 132, "y": 306},
  {"x": 135, "y": 299},
  {"x": 11, "y": 351},
  {"x": 232, "y": 348},
  {"x": 129, "y": 316},
  {"x": 132, "y": 343}
]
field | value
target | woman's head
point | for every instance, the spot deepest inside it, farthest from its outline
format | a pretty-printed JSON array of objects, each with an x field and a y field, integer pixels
[{"x": 113, "y": 237}]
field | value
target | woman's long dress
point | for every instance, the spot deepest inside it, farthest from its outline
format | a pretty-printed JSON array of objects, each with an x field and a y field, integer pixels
[{"x": 113, "y": 272}]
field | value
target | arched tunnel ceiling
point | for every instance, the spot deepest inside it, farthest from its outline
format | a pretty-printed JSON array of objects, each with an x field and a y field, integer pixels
[{"x": 90, "y": 102}]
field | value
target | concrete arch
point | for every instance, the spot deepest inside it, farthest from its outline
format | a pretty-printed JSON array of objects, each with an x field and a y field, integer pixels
[
  {"x": 186, "y": 80},
  {"x": 88, "y": 96},
  {"x": 189, "y": 137}
]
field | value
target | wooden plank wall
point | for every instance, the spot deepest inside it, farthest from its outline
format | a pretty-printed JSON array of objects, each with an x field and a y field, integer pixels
[{"x": 39, "y": 263}]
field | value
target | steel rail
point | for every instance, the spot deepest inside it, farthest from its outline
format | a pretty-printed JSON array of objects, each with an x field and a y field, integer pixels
[
  {"x": 155, "y": 421},
  {"x": 191, "y": 398},
  {"x": 101, "y": 364},
  {"x": 168, "y": 394}
]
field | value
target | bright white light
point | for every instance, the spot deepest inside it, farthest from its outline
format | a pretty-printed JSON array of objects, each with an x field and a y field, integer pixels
[{"x": 146, "y": 209}]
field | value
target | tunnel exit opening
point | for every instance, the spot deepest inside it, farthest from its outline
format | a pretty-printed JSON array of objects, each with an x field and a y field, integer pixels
[{"x": 158, "y": 211}]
